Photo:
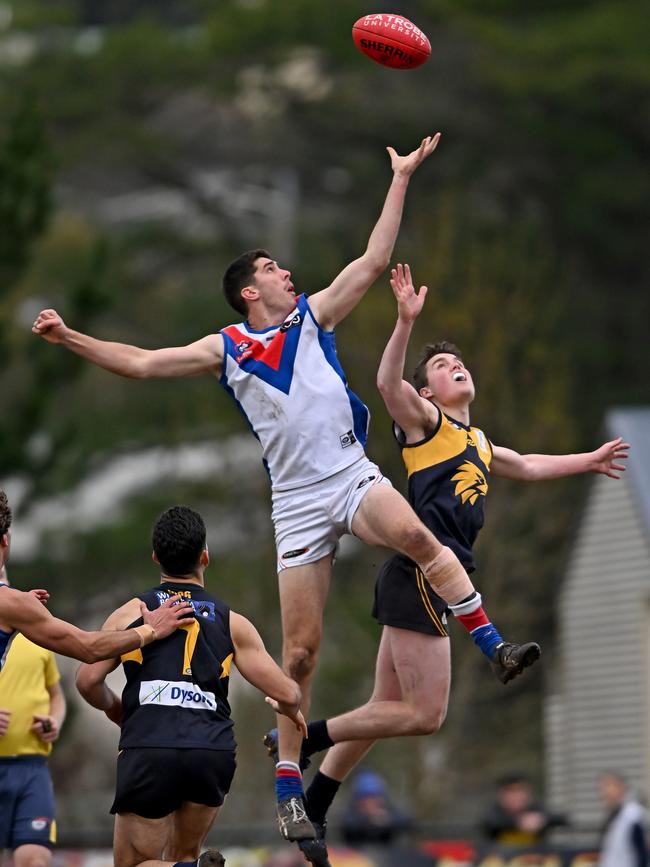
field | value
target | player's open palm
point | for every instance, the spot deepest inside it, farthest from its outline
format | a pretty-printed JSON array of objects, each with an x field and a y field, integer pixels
[
  {"x": 409, "y": 302},
  {"x": 50, "y": 326},
  {"x": 408, "y": 164},
  {"x": 607, "y": 459}
]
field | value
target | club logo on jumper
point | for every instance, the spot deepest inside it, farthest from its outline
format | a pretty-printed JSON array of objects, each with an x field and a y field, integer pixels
[
  {"x": 472, "y": 483},
  {"x": 347, "y": 439},
  {"x": 203, "y": 609},
  {"x": 297, "y": 319},
  {"x": 40, "y": 823},
  {"x": 365, "y": 481},
  {"x": 244, "y": 350},
  {"x": 297, "y": 552},
  {"x": 176, "y": 694}
]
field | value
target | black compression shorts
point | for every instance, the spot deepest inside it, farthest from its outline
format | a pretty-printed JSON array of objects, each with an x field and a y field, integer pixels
[
  {"x": 153, "y": 782},
  {"x": 404, "y": 598}
]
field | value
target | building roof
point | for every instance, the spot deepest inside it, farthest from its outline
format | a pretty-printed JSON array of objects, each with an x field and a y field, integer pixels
[{"x": 633, "y": 424}]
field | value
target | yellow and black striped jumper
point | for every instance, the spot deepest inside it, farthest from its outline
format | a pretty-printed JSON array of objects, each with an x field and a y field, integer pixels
[
  {"x": 177, "y": 742},
  {"x": 448, "y": 475}
]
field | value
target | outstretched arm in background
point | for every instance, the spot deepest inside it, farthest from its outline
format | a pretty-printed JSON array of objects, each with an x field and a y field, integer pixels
[
  {"x": 24, "y": 613},
  {"x": 202, "y": 356},
  {"x": 259, "y": 668},
  {"x": 333, "y": 304},
  {"x": 415, "y": 415},
  {"x": 537, "y": 468}
]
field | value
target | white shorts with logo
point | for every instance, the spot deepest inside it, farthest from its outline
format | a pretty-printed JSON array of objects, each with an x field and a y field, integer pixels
[{"x": 310, "y": 521}]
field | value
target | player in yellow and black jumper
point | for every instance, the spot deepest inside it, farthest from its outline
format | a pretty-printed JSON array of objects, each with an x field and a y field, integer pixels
[
  {"x": 177, "y": 747},
  {"x": 449, "y": 463}
]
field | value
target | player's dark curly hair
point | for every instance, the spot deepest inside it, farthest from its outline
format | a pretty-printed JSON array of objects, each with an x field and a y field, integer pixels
[
  {"x": 178, "y": 539},
  {"x": 5, "y": 513},
  {"x": 431, "y": 349},
  {"x": 238, "y": 275}
]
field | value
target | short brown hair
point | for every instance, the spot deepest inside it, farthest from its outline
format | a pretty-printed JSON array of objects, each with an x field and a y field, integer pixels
[
  {"x": 239, "y": 274},
  {"x": 431, "y": 349},
  {"x": 5, "y": 513}
]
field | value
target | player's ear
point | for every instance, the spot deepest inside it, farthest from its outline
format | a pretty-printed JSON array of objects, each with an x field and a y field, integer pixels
[
  {"x": 426, "y": 392},
  {"x": 205, "y": 558},
  {"x": 250, "y": 293},
  {"x": 155, "y": 558}
]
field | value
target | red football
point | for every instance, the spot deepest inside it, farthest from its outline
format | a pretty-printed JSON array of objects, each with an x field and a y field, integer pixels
[{"x": 391, "y": 40}]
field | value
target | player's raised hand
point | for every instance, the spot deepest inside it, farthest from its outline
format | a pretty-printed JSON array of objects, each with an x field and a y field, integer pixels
[
  {"x": 50, "y": 326},
  {"x": 606, "y": 459},
  {"x": 409, "y": 302},
  {"x": 408, "y": 164},
  {"x": 292, "y": 711},
  {"x": 168, "y": 617}
]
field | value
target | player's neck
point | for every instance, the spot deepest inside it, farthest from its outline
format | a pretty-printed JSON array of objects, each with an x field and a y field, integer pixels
[
  {"x": 187, "y": 579},
  {"x": 459, "y": 412},
  {"x": 260, "y": 318}
]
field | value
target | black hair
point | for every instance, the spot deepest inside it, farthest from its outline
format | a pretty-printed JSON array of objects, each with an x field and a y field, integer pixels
[
  {"x": 178, "y": 539},
  {"x": 238, "y": 275},
  {"x": 5, "y": 513}
]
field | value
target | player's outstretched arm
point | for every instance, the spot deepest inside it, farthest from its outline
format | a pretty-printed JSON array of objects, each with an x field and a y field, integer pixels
[
  {"x": 260, "y": 669},
  {"x": 415, "y": 415},
  {"x": 24, "y": 613},
  {"x": 537, "y": 468},
  {"x": 333, "y": 304},
  {"x": 202, "y": 356}
]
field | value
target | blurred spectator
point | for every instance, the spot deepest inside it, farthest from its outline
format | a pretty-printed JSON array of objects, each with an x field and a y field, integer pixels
[
  {"x": 515, "y": 818},
  {"x": 623, "y": 842},
  {"x": 370, "y": 816}
]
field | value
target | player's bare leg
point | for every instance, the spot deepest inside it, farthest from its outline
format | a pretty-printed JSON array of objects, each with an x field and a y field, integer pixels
[
  {"x": 32, "y": 855},
  {"x": 410, "y": 696},
  {"x": 412, "y": 677},
  {"x": 190, "y": 826},
  {"x": 140, "y": 842},
  {"x": 303, "y": 593},
  {"x": 384, "y": 517}
]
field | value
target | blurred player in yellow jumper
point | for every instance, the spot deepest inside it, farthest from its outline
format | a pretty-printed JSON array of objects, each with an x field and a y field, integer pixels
[{"x": 32, "y": 711}]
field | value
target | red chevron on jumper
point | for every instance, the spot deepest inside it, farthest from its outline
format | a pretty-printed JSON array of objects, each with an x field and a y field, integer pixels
[{"x": 271, "y": 355}]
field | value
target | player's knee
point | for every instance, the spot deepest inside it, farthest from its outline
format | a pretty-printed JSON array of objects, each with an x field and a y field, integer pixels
[
  {"x": 419, "y": 543},
  {"x": 427, "y": 721},
  {"x": 33, "y": 858},
  {"x": 300, "y": 661}
]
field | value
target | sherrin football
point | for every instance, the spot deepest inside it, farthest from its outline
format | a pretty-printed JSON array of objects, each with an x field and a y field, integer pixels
[{"x": 391, "y": 40}]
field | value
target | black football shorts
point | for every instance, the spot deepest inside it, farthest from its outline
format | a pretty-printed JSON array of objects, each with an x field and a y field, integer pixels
[
  {"x": 153, "y": 782},
  {"x": 404, "y": 598}
]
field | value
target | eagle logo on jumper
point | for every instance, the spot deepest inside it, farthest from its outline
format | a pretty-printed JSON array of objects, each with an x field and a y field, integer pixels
[{"x": 472, "y": 483}]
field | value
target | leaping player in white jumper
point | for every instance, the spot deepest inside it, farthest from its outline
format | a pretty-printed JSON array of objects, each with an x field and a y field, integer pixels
[{"x": 280, "y": 366}]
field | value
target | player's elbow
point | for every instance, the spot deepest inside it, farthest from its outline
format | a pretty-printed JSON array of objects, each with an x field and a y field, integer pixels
[
  {"x": 384, "y": 386},
  {"x": 91, "y": 651},
  {"x": 83, "y": 681},
  {"x": 377, "y": 261}
]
